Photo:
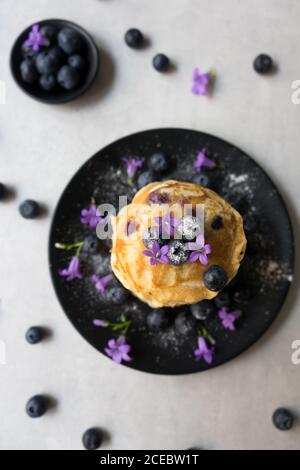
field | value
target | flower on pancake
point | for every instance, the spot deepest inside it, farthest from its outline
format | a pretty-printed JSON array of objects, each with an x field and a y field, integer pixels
[
  {"x": 157, "y": 254},
  {"x": 199, "y": 250}
]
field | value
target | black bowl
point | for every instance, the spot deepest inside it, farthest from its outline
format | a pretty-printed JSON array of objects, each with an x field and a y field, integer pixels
[{"x": 59, "y": 95}]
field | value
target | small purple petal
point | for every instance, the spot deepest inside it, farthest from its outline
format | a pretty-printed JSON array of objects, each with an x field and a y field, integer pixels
[
  {"x": 203, "y": 259},
  {"x": 194, "y": 257}
]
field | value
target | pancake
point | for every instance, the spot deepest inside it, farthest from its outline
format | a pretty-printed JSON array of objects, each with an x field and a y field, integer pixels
[{"x": 167, "y": 285}]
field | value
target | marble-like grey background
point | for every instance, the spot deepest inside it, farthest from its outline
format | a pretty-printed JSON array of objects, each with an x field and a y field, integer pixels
[{"x": 40, "y": 149}]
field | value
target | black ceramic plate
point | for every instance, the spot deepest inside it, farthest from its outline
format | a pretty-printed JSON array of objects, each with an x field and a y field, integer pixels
[
  {"x": 266, "y": 270},
  {"x": 58, "y": 95}
]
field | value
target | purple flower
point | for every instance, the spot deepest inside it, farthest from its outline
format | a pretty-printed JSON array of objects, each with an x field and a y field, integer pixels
[
  {"x": 167, "y": 224},
  {"x": 72, "y": 272},
  {"x": 203, "y": 351},
  {"x": 118, "y": 350},
  {"x": 228, "y": 318},
  {"x": 35, "y": 39},
  {"x": 200, "y": 82},
  {"x": 132, "y": 165},
  {"x": 102, "y": 282},
  {"x": 157, "y": 254},
  {"x": 101, "y": 323},
  {"x": 90, "y": 217},
  {"x": 202, "y": 160},
  {"x": 199, "y": 250}
]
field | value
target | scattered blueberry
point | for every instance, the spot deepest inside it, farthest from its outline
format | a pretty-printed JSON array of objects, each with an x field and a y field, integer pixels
[
  {"x": 47, "y": 82},
  {"x": 69, "y": 41},
  {"x": 29, "y": 209},
  {"x": 203, "y": 179},
  {"x": 145, "y": 178},
  {"x": 68, "y": 77},
  {"x": 223, "y": 299},
  {"x": 90, "y": 244},
  {"x": 178, "y": 252},
  {"x": 151, "y": 234},
  {"x": 134, "y": 38},
  {"x": 161, "y": 62},
  {"x": 241, "y": 296},
  {"x": 77, "y": 62},
  {"x": 215, "y": 278},
  {"x": 158, "y": 162},
  {"x": 36, "y": 406},
  {"x": 34, "y": 335},
  {"x": 3, "y": 191},
  {"x": 158, "y": 319},
  {"x": 263, "y": 64},
  {"x": 203, "y": 310},
  {"x": 217, "y": 223},
  {"x": 118, "y": 294},
  {"x": 283, "y": 419},
  {"x": 92, "y": 439},
  {"x": 250, "y": 223},
  {"x": 185, "y": 323},
  {"x": 47, "y": 63},
  {"x": 28, "y": 71},
  {"x": 189, "y": 228},
  {"x": 49, "y": 31}
]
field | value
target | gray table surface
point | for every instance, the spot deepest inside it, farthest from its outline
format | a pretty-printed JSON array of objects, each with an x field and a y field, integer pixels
[{"x": 40, "y": 149}]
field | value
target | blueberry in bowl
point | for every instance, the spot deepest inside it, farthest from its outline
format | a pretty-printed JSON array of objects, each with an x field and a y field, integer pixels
[{"x": 54, "y": 61}]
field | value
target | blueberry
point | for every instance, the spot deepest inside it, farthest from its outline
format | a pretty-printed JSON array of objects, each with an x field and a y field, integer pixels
[
  {"x": 28, "y": 71},
  {"x": 69, "y": 41},
  {"x": 47, "y": 82},
  {"x": 90, "y": 244},
  {"x": 134, "y": 38},
  {"x": 215, "y": 278},
  {"x": 158, "y": 162},
  {"x": 217, "y": 223},
  {"x": 178, "y": 252},
  {"x": 158, "y": 319},
  {"x": 29, "y": 209},
  {"x": 151, "y": 234},
  {"x": 145, "y": 178},
  {"x": 263, "y": 64},
  {"x": 118, "y": 294},
  {"x": 49, "y": 31},
  {"x": 161, "y": 62},
  {"x": 185, "y": 323},
  {"x": 203, "y": 310},
  {"x": 34, "y": 335},
  {"x": 203, "y": 179},
  {"x": 283, "y": 419},
  {"x": 68, "y": 77},
  {"x": 250, "y": 223},
  {"x": 3, "y": 191},
  {"x": 77, "y": 62},
  {"x": 241, "y": 296},
  {"x": 189, "y": 228},
  {"x": 36, "y": 406},
  {"x": 57, "y": 54},
  {"x": 223, "y": 299},
  {"x": 92, "y": 439},
  {"x": 47, "y": 63}
]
